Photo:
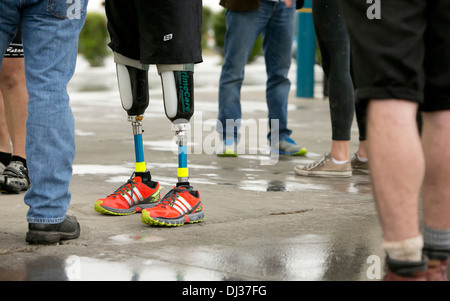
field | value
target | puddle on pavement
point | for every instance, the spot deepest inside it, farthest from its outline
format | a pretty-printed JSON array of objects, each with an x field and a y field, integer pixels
[
  {"x": 249, "y": 179},
  {"x": 307, "y": 257}
]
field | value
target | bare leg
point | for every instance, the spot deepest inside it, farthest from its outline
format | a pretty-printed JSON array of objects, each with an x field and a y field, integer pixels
[
  {"x": 5, "y": 146},
  {"x": 362, "y": 149},
  {"x": 397, "y": 166},
  {"x": 339, "y": 150},
  {"x": 436, "y": 145},
  {"x": 15, "y": 96}
]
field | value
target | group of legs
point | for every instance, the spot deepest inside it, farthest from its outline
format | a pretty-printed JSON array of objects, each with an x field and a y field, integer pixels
[
  {"x": 402, "y": 162},
  {"x": 407, "y": 126},
  {"x": 137, "y": 44}
]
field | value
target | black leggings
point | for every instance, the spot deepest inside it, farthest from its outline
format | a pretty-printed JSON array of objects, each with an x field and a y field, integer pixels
[{"x": 334, "y": 46}]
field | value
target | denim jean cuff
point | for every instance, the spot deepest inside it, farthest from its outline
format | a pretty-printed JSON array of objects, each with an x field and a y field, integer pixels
[{"x": 46, "y": 220}]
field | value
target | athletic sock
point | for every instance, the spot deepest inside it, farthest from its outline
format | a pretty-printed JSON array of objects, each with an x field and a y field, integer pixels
[
  {"x": 5, "y": 158},
  {"x": 338, "y": 162},
  {"x": 436, "y": 243},
  {"x": 405, "y": 250},
  {"x": 17, "y": 158},
  {"x": 362, "y": 159}
]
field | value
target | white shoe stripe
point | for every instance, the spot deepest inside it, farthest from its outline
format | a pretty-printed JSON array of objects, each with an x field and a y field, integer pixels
[
  {"x": 181, "y": 206},
  {"x": 184, "y": 202},
  {"x": 177, "y": 208},
  {"x": 138, "y": 194},
  {"x": 128, "y": 199}
]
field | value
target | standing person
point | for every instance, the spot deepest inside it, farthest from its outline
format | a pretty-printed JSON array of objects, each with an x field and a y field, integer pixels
[
  {"x": 245, "y": 21},
  {"x": 401, "y": 52},
  {"x": 13, "y": 115},
  {"x": 50, "y": 32},
  {"x": 145, "y": 32},
  {"x": 335, "y": 50}
]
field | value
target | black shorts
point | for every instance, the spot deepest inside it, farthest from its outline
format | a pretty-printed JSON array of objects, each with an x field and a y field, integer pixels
[
  {"x": 15, "y": 48},
  {"x": 405, "y": 54},
  {"x": 155, "y": 31}
]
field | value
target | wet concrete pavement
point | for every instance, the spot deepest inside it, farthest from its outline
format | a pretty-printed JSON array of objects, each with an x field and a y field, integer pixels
[{"x": 262, "y": 221}]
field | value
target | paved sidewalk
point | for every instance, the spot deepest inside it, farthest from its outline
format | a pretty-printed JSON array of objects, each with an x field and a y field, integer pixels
[{"x": 262, "y": 221}]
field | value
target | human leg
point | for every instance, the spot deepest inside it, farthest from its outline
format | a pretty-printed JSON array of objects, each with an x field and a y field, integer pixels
[
  {"x": 140, "y": 191},
  {"x": 50, "y": 147},
  {"x": 277, "y": 45},
  {"x": 242, "y": 31},
  {"x": 335, "y": 50},
  {"x": 182, "y": 204},
  {"x": 436, "y": 229},
  {"x": 8, "y": 27},
  {"x": 15, "y": 97},
  {"x": 5, "y": 143},
  {"x": 12, "y": 84},
  {"x": 397, "y": 166},
  {"x": 391, "y": 79},
  {"x": 435, "y": 141}
]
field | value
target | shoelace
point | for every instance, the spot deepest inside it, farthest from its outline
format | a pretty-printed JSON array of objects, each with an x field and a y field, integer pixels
[
  {"x": 318, "y": 163},
  {"x": 170, "y": 197},
  {"x": 125, "y": 189}
]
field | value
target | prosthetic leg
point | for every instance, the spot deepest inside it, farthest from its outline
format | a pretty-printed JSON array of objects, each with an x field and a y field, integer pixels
[
  {"x": 177, "y": 82},
  {"x": 182, "y": 204},
  {"x": 133, "y": 88}
]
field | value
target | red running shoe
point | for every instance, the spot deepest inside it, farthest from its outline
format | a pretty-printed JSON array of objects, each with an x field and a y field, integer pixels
[
  {"x": 180, "y": 205},
  {"x": 131, "y": 197}
]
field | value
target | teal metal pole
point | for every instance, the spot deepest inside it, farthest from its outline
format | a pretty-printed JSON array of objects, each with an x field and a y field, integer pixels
[{"x": 306, "y": 49}]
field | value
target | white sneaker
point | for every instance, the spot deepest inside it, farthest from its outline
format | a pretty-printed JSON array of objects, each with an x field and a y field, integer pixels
[{"x": 325, "y": 167}]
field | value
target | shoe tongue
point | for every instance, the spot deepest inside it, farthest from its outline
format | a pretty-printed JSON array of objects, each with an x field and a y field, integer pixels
[{"x": 137, "y": 180}]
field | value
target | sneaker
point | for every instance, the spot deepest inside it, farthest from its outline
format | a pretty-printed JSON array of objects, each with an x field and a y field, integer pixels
[
  {"x": 180, "y": 205},
  {"x": 130, "y": 198},
  {"x": 437, "y": 264},
  {"x": 227, "y": 148},
  {"x": 288, "y": 147},
  {"x": 405, "y": 271},
  {"x": 358, "y": 166},
  {"x": 437, "y": 270},
  {"x": 325, "y": 167},
  {"x": 14, "y": 178},
  {"x": 53, "y": 233},
  {"x": 2, "y": 167}
]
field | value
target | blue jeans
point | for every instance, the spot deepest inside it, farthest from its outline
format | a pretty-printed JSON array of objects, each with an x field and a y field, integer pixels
[
  {"x": 50, "y": 30},
  {"x": 275, "y": 22}
]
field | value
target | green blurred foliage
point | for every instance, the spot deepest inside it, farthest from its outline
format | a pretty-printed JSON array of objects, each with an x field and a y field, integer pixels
[{"x": 94, "y": 38}]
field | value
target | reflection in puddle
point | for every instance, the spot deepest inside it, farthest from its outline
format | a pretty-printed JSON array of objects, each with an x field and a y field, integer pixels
[
  {"x": 266, "y": 185},
  {"x": 134, "y": 238},
  {"x": 289, "y": 183},
  {"x": 307, "y": 257}
]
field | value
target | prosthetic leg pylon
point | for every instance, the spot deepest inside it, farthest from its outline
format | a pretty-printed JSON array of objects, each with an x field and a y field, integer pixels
[
  {"x": 134, "y": 95},
  {"x": 177, "y": 82}
]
